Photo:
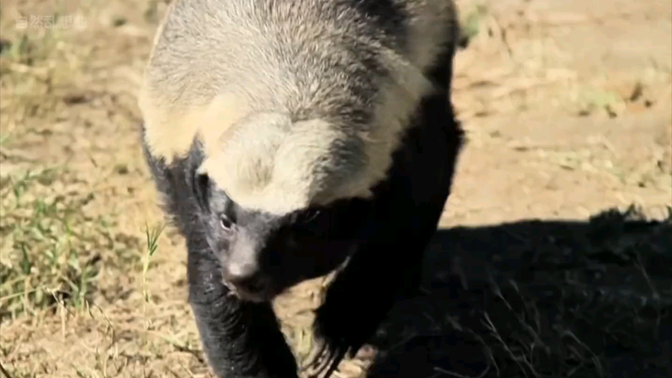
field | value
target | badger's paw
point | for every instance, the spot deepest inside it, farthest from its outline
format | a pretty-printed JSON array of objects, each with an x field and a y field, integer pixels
[
  {"x": 338, "y": 333},
  {"x": 332, "y": 343}
]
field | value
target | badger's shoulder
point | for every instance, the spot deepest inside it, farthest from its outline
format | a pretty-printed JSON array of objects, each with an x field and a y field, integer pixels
[{"x": 300, "y": 99}]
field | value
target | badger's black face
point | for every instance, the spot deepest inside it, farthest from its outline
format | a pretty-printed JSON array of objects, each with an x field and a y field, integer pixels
[{"x": 262, "y": 254}]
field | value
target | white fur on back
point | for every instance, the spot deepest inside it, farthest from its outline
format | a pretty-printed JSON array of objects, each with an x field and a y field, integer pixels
[
  {"x": 263, "y": 84},
  {"x": 267, "y": 163}
]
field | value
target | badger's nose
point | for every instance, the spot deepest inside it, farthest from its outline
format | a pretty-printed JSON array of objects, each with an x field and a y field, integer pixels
[{"x": 245, "y": 277}]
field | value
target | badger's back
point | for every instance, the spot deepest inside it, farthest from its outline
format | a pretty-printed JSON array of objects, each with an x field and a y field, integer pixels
[{"x": 358, "y": 65}]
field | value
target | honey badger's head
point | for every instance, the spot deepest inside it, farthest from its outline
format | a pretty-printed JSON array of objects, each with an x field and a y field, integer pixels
[
  {"x": 282, "y": 201},
  {"x": 299, "y": 108}
]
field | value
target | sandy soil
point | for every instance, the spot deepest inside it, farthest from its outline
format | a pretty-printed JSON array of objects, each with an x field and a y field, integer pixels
[{"x": 568, "y": 110}]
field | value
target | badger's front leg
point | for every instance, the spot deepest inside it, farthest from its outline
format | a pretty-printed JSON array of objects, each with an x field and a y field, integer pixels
[
  {"x": 360, "y": 297},
  {"x": 385, "y": 268},
  {"x": 406, "y": 211},
  {"x": 240, "y": 339}
]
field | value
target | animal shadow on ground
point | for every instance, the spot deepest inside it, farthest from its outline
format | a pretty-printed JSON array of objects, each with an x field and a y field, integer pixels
[{"x": 538, "y": 299}]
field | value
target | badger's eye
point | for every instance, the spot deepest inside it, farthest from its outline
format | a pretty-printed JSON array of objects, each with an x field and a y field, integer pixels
[{"x": 225, "y": 222}]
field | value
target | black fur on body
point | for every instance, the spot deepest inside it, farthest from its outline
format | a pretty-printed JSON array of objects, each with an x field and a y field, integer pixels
[{"x": 384, "y": 237}]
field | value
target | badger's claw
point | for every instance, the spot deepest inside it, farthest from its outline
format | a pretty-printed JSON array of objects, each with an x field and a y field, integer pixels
[
  {"x": 325, "y": 362},
  {"x": 327, "y": 354},
  {"x": 338, "y": 334}
]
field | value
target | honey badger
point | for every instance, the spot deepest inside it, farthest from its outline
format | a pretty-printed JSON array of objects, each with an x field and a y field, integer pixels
[{"x": 292, "y": 138}]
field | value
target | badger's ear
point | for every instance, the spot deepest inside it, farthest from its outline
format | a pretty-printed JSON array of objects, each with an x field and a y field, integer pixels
[{"x": 201, "y": 188}]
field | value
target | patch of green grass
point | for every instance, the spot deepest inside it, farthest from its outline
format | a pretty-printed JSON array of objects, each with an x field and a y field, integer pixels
[
  {"x": 593, "y": 100},
  {"x": 50, "y": 250},
  {"x": 5, "y": 139},
  {"x": 12, "y": 373},
  {"x": 34, "y": 70},
  {"x": 471, "y": 23},
  {"x": 152, "y": 236}
]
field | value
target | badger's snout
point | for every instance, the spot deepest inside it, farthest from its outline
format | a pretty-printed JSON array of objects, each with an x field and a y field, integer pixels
[{"x": 247, "y": 281}]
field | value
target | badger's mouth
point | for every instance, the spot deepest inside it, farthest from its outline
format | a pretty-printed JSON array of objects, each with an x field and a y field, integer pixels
[
  {"x": 268, "y": 285},
  {"x": 259, "y": 293}
]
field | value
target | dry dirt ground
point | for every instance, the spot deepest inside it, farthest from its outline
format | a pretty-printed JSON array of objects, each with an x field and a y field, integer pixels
[{"x": 568, "y": 110}]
